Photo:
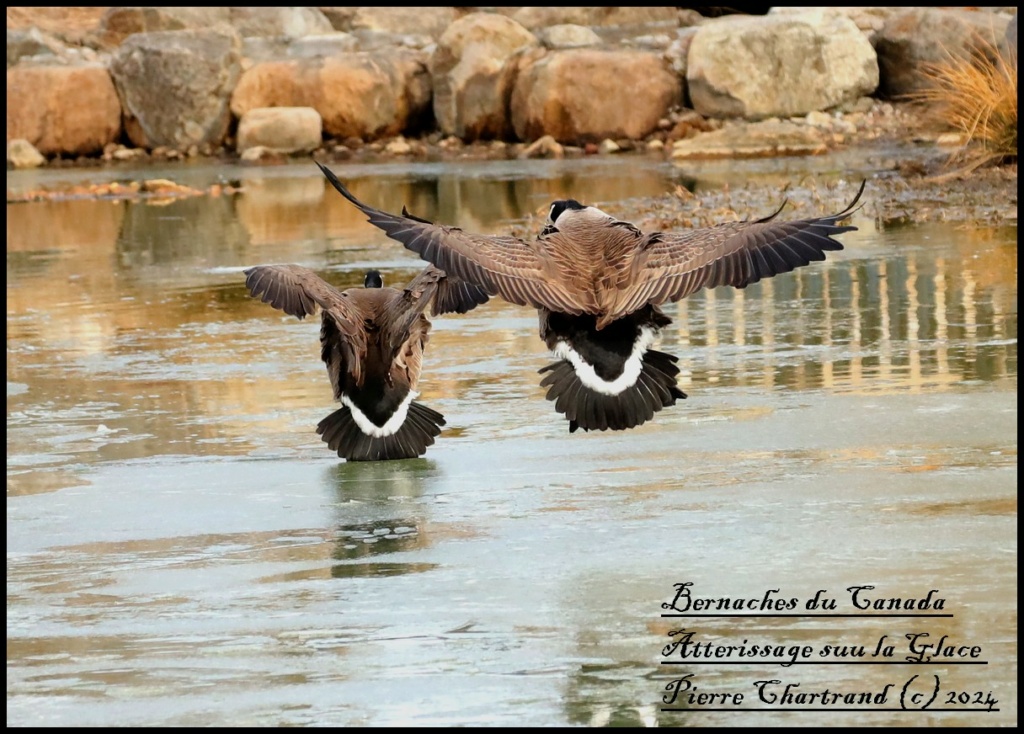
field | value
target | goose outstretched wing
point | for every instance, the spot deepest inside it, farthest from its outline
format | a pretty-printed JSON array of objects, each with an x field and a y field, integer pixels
[
  {"x": 672, "y": 265},
  {"x": 499, "y": 265},
  {"x": 298, "y": 291}
]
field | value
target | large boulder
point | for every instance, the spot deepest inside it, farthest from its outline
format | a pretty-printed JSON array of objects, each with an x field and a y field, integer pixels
[
  {"x": 587, "y": 95},
  {"x": 472, "y": 77},
  {"x": 917, "y": 38},
  {"x": 363, "y": 95},
  {"x": 779, "y": 65},
  {"x": 175, "y": 86},
  {"x": 63, "y": 110}
]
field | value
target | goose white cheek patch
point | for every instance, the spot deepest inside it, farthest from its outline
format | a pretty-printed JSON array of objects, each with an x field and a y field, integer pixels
[
  {"x": 630, "y": 371},
  {"x": 393, "y": 423}
]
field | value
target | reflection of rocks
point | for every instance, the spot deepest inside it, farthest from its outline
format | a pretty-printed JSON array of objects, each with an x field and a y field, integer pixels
[{"x": 179, "y": 232}]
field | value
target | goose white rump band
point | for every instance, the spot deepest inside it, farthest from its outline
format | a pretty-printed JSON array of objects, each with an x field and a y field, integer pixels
[
  {"x": 370, "y": 428},
  {"x": 630, "y": 370}
]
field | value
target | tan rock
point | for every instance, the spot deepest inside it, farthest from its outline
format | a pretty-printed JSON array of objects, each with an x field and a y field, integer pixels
[
  {"x": 282, "y": 129},
  {"x": 22, "y": 154},
  {"x": 580, "y": 95},
  {"x": 63, "y": 110},
  {"x": 768, "y": 138}
]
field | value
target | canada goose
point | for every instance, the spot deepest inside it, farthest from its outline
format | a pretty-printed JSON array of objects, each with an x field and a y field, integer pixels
[
  {"x": 597, "y": 283},
  {"x": 372, "y": 341}
]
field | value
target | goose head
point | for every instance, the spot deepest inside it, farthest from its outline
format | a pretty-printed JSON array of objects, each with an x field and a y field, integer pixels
[
  {"x": 373, "y": 279},
  {"x": 566, "y": 213}
]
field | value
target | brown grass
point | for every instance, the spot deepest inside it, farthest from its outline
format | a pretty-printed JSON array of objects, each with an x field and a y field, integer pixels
[{"x": 977, "y": 97}]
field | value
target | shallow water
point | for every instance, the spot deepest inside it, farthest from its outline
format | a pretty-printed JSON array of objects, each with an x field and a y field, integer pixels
[{"x": 182, "y": 549}]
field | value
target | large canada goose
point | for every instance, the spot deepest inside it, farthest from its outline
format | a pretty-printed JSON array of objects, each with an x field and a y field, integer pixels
[
  {"x": 597, "y": 283},
  {"x": 372, "y": 341}
]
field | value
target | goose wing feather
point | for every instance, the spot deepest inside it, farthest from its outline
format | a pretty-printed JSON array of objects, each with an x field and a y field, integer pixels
[
  {"x": 499, "y": 265},
  {"x": 298, "y": 291},
  {"x": 673, "y": 265}
]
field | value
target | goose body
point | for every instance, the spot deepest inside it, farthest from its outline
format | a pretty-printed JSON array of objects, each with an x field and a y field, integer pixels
[
  {"x": 597, "y": 283},
  {"x": 371, "y": 341}
]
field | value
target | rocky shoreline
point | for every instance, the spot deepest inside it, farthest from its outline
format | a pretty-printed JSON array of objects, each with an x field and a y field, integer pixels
[{"x": 128, "y": 86}]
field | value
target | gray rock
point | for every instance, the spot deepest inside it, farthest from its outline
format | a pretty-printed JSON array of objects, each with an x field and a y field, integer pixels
[
  {"x": 784, "y": 66},
  {"x": 916, "y": 39},
  {"x": 175, "y": 86}
]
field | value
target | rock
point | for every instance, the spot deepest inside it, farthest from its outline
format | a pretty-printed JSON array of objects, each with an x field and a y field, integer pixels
[
  {"x": 363, "y": 95},
  {"x": 870, "y": 20},
  {"x": 917, "y": 38},
  {"x": 427, "y": 21},
  {"x": 119, "y": 23},
  {"x": 22, "y": 154},
  {"x": 544, "y": 147},
  {"x": 26, "y": 44},
  {"x": 679, "y": 49},
  {"x": 175, "y": 86},
  {"x": 580, "y": 95},
  {"x": 286, "y": 22},
  {"x": 536, "y": 18},
  {"x": 567, "y": 35},
  {"x": 471, "y": 76},
  {"x": 398, "y": 146},
  {"x": 325, "y": 44},
  {"x": 608, "y": 146},
  {"x": 755, "y": 140},
  {"x": 779, "y": 65},
  {"x": 256, "y": 153},
  {"x": 281, "y": 129},
  {"x": 73, "y": 25},
  {"x": 63, "y": 110}
]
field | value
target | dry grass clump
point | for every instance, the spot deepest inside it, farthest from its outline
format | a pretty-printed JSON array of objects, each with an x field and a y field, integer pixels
[{"x": 977, "y": 96}]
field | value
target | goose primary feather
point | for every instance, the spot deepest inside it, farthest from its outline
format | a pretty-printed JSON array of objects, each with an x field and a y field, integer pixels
[
  {"x": 597, "y": 284},
  {"x": 371, "y": 341}
]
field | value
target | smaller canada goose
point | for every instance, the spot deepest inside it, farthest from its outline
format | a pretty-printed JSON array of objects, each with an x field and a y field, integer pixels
[
  {"x": 597, "y": 284},
  {"x": 372, "y": 340}
]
